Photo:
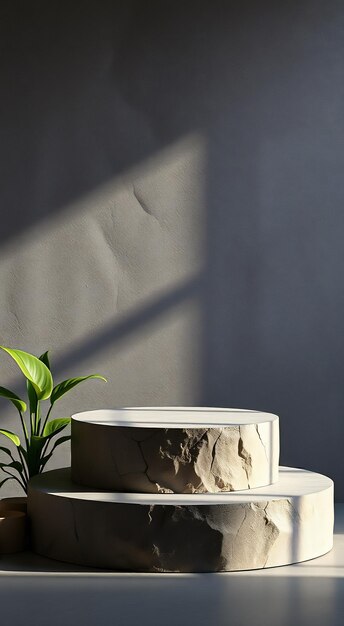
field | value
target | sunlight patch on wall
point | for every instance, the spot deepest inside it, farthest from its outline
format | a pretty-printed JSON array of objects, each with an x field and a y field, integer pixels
[{"x": 111, "y": 254}]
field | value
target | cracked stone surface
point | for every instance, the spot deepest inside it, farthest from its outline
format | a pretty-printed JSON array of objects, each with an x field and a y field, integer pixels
[
  {"x": 284, "y": 523},
  {"x": 240, "y": 450}
]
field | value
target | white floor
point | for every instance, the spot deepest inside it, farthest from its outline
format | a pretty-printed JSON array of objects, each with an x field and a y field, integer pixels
[{"x": 38, "y": 592}]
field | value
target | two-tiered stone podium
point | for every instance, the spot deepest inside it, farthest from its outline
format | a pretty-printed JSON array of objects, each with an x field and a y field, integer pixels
[{"x": 179, "y": 490}]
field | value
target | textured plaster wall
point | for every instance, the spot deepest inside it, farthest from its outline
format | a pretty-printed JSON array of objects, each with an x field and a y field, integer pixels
[{"x": 172, "y": 206}]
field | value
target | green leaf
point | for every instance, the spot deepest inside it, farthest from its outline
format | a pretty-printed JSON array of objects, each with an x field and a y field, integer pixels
[
  {"x": 55, "y": 426},
  {"x": 45, "y": 359},
  {"x": 34, "y": 370},
  {"x": 33, "y": 400},
  {"x": 14, "y": 438},
  {"x": 68, "y": 384},
  {"x": 37, "y": 443},
  {"x": 10, "y": 395}
]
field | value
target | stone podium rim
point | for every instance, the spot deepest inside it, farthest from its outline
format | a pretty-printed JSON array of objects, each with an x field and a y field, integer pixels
[
  {"x": 292, "y": 483},
  {"x": 174, "y": 417}
]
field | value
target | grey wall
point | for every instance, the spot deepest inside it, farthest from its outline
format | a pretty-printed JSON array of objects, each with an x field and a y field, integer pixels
[{"x": 172, "y": 206}]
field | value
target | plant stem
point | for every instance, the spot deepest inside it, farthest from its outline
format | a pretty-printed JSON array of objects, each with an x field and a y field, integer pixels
[
  {"x": 24, "y": 427},
  {"x": 23, "y": 464},
  {"x": 45, "y": 448},
  {"x": 46, "y": 419},
  {"x": 37, "y": 418}
]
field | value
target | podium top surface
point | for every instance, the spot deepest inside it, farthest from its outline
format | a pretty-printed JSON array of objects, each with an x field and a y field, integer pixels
[{"x": 174, "y": 417}]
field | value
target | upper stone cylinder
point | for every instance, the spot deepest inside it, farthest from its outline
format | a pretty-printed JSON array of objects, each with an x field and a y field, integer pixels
[{"x": 175, "y": 449}]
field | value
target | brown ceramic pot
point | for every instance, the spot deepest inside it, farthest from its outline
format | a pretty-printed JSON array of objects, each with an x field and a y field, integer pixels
[
  {"x": 12, "y": 531},
  {"x": 14, "y": 504}
]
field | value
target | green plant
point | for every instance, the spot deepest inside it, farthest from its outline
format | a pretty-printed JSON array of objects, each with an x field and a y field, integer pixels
[{"x": 38, "y": 433}]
